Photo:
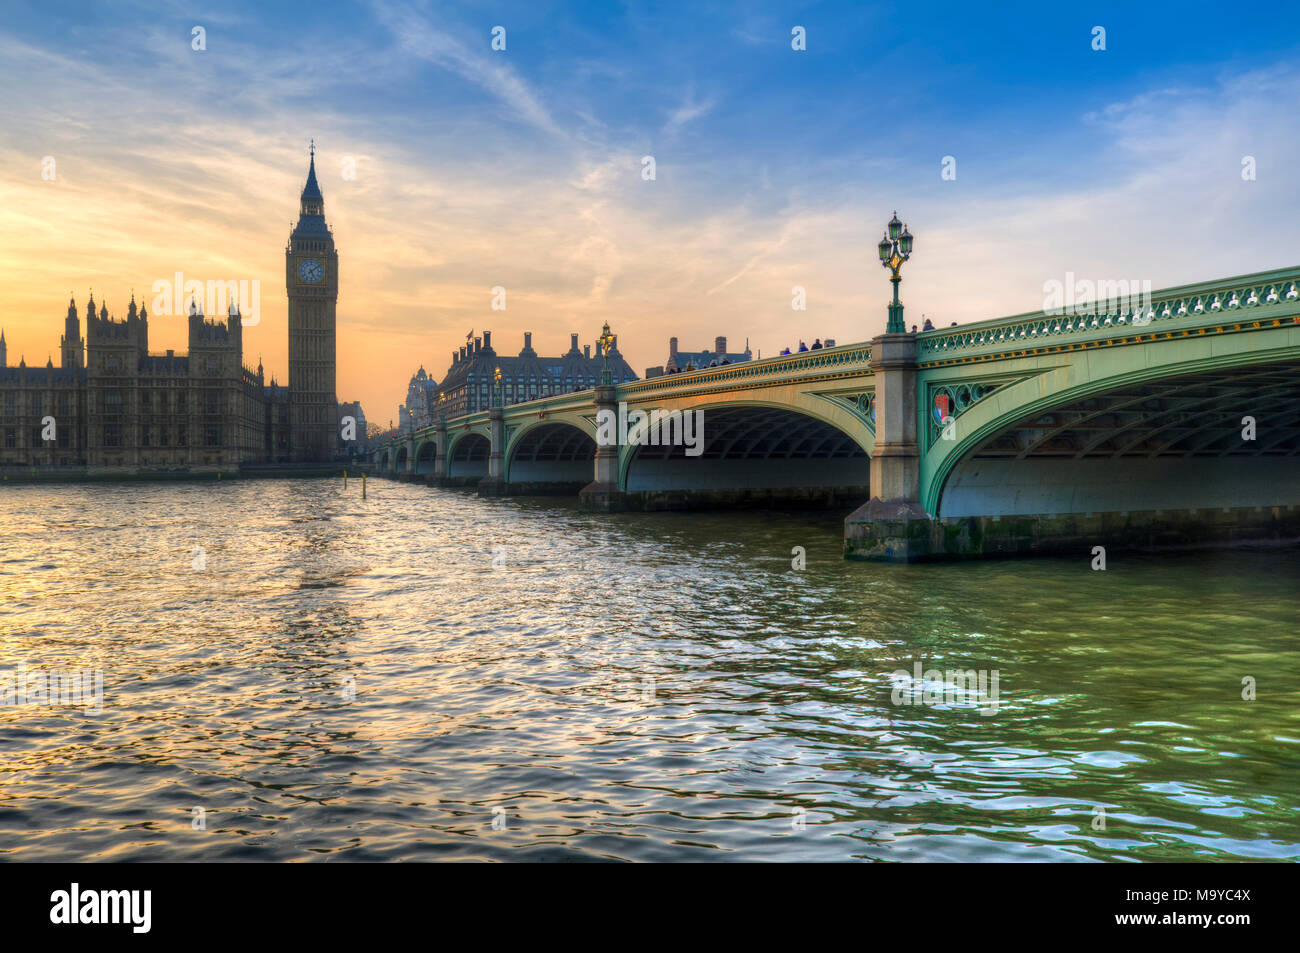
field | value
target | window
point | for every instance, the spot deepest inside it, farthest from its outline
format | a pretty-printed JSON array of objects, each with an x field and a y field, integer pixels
[
  {"x": 110, "y": 365},
  {"x": 36, "y": 405},
  {"x": 10, "y": 406},
  {"x": 212, "y": 435},
  {"x": 11, "y": 438},
  {"x": 112, "y": 401},
  {"x": 112, "y": 435},
  {"x": 212, "y": 401},
  {"x": 180, "y": 436},
  {"x": 65, "y": 406}
]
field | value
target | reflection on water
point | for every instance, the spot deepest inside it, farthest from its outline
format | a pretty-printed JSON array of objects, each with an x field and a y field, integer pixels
[{"x": 329, "y": 678}]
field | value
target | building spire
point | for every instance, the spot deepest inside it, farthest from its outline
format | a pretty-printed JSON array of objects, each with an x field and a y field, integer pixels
[{"x": 311, "y": 191}]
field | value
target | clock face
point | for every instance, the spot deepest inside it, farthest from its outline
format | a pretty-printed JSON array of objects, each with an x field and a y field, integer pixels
[{"x": 310, "y": 271}]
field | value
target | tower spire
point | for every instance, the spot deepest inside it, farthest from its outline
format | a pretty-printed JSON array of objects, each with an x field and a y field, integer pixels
[{"x": 312, "y": 200}]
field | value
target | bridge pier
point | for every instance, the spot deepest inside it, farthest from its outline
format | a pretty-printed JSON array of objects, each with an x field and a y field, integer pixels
[
  {"x": 892, "y": 525},
  {"x": 439, "y": 475},
  {"x": 603, "y": 493},
  {"x": 494, "y": 484}
]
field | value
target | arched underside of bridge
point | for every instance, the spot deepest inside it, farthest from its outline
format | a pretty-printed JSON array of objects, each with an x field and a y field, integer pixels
[
  {"x": 554, "y": 455},
  {"x": 426, "y": 457},
  {"x": 399, "y": 461},
  {"x": 1170, "y": 444},
  {"x": 383, "y": 461},
  {"x": 468, "y": 459},
  {"x": 748, "y": 456}
]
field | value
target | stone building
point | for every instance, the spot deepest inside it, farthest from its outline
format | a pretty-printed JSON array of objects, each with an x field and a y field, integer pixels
[
  {"x": 421, "y": 402},
  {"x": 468, "y": 384},
  {"x": 679, "y": 361},
  {"x": 112, "y": 405}
]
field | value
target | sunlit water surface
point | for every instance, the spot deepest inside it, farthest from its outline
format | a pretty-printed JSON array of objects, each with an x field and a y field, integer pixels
[{"x": 355, "y": 680}]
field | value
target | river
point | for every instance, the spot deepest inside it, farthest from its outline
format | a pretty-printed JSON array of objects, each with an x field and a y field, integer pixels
[{"x": 290, "y": 672}]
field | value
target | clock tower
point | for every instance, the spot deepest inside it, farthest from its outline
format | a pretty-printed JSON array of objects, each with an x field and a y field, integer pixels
[{"x": 312, "y": 281}]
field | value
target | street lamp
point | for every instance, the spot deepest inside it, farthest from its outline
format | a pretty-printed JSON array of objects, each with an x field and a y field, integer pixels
[
  {"x": 442, "y": 409},
  {"x": 606, "y": 343},
  {"x": 496, "y": 376},
  {"x": 895, "y": 248}
]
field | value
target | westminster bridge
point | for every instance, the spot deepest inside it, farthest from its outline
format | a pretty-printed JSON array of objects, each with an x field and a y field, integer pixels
[{"x": 1175, "y": 423}]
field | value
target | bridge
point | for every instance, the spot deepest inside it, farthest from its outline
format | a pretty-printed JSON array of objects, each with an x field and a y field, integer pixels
[{"x": 1173, "y": 422}]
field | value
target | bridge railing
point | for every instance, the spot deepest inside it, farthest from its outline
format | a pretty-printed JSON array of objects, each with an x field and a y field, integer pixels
[
  {"x": 1226, "y": 296},
  {"x": 783, "y": 365}
]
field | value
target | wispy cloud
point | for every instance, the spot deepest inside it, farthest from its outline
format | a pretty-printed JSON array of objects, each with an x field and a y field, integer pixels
[
  {"x": 690, "y": 110},
  {"x": 419, "y": 37}
]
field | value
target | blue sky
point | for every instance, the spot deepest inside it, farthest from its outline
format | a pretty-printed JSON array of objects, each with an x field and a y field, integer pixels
[{"x": 521, "y": 168}]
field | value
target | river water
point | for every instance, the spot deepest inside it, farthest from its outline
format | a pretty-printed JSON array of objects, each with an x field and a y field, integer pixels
[{"x": 292, "y": 673}]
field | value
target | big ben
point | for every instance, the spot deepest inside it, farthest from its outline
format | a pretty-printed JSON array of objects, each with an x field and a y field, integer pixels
[{"x": 312, "y": 281}]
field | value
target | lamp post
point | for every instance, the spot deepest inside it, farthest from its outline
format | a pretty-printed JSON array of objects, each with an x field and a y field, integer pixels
[
  {"x": 895, "y": 248},
  {"x": 496, "y": 377},
  {"x": 442, "y": 410},
  {"x": 606, "y": 345}
]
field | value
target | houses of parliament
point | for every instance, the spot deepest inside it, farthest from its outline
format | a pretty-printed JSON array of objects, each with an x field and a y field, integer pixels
[{"x": 112, "y": 405}]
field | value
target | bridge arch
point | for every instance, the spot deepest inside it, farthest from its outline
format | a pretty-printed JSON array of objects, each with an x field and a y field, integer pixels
[
  {"x": 764, "y": 449},
  {"x": 383, "y": 459},
  {"x": 426, "y": 456},
  {"x": 1116, "y": 435},
  {"x": 399, "y": 460},
  {"x": 552, "y": 451},
  {"x": 467, "y": 457}
]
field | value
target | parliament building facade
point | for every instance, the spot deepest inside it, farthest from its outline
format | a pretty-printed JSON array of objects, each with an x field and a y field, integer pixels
[{"x": 112, "y": 405}]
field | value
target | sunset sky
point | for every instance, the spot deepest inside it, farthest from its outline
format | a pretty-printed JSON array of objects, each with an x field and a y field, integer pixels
[{"x": 522, "y": 168}]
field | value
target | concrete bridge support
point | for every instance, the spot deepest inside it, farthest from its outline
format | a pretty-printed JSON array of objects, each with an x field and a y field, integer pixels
[
  {"x": 494, "y": 484},
  {"x": 408, "y": 472},
  {"x": 887, "y": 524},
  {"x": 603, "y": 493},
  {"x": 440, "y": 462}
]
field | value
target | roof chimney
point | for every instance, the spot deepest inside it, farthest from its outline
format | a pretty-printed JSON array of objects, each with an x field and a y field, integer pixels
[
  {"x": 586, "y": 349},
  {"x": 528, "y": 340},
  {"x": 573, "y": 343},
  {"x": 719, "y": 346},
  {"x": 487, "y": 340},
  {"x": 672, "y": 347}
]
